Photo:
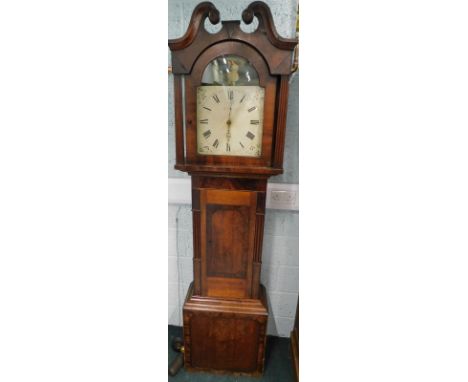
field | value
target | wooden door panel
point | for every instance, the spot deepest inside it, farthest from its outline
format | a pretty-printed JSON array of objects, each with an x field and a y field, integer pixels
[
  {"x": 227, "y": 242},
  {"x": 227, "y": 254}
]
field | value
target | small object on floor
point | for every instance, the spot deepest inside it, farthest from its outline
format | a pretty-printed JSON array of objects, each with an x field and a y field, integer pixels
[{"x": 178, "y": 363}]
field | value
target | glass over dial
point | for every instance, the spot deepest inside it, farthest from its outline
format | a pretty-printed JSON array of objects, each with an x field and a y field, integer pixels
[{"x": 230, "y": 109}]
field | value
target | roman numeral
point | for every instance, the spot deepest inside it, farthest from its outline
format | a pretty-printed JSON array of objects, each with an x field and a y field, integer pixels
[
  {"x": 242, "y": 99},
  {"x": 207, "y": 134},
  {"x": 216, "y": 144},
  {"x": 228, "y": 147},
  {"x": 250, "y": 135},
  {"x": 204, "y": 121},
  {"x": 207, "y": 108},
  {"x": 252, "y": 108},
  {"x": 215, "y": 97},
  {"x": 230, "y": 95},
  {"x": 241, "y": 145},
  {"x": 254, "y": 121}
]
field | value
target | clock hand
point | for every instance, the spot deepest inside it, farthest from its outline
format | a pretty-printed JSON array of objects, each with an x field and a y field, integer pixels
[
  {"x": 228, "y": 133},
  {"x": 228, "y": 123},
  {"x": 230, "y": 107}
]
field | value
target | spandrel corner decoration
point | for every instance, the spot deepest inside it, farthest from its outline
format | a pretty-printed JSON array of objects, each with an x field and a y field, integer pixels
[{"x": 231, "y": 94}]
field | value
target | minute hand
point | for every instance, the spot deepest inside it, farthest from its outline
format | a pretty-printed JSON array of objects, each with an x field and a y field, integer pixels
[
  {"x": 228, "y": 123},
  {"x": 231, "y": 96}
]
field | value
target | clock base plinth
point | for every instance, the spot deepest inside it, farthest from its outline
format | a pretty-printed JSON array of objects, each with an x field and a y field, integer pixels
[{"x": 225, "y": 336}]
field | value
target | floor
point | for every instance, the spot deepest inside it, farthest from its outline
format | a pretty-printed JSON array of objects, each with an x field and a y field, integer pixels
[{"x": 278, "y": 366}]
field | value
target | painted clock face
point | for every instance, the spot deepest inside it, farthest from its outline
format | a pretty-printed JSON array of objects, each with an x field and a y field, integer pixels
[
  {"x": 230, "y": 109},
  {"x": 230, "y": 120}
]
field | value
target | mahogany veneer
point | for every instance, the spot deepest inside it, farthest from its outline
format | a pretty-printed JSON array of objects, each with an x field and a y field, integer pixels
[
  {"x": 223, "y": 335},
  {"x": 295, "y": 344},
  {"x": 225, "y": 313}
]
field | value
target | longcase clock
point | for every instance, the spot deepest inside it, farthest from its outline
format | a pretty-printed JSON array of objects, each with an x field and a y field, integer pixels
[{"x": 231, "y": 94}]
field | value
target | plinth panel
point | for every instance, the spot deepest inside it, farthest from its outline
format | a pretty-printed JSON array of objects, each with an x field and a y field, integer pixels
[
  {"x": 224, "y": 343},
  {"x": 226, "y": 336}
]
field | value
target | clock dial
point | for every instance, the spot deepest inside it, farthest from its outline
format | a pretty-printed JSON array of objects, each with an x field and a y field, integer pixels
[{"x": 230, "y": 120}]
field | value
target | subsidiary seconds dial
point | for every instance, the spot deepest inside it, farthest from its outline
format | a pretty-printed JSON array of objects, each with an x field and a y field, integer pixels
[{"x": 230, "y": 120}]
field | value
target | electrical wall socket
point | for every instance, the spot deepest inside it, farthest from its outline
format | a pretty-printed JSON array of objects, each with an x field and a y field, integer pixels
[{"x": 284, "y": 197}]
